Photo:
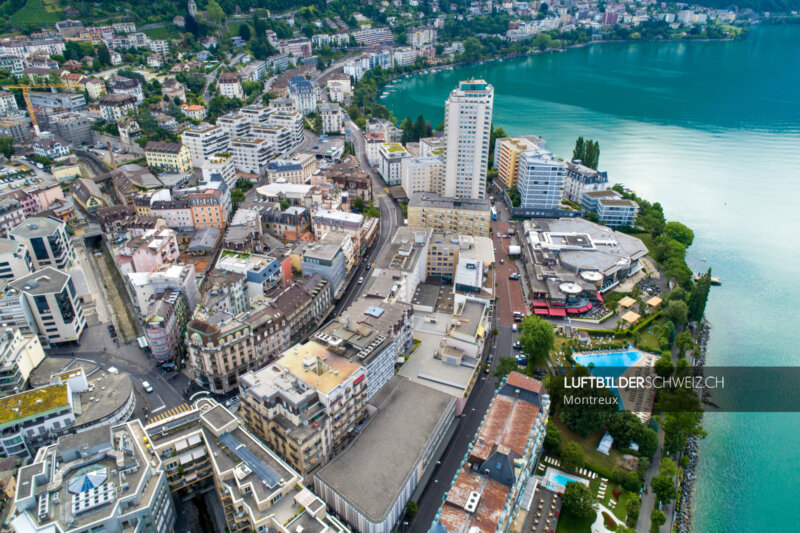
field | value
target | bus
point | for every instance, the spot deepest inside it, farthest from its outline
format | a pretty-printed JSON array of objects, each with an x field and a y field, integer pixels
[{"x": 494, "y": 213}]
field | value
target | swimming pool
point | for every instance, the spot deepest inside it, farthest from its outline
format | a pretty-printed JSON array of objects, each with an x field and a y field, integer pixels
[
  {"x": 617, "y": 360},
  {"x": 557, "y": 481},
  {"x": 609, "y": 365}
]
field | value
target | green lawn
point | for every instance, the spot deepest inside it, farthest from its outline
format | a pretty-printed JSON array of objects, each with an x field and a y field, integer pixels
[
  {"x": 38, "y": 13},
  {"x": 647, "y": 239},
  {"x": 570, "y": 524},
  {"x": 592, "y": 458},
  {"x": 165, "y": 32},
  {"x": 233, "y": 28},
  {"x": 649, "y": 341}
]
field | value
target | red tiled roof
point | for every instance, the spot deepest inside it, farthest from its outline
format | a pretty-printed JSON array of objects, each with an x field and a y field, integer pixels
[{"x": 521, "y": 381}]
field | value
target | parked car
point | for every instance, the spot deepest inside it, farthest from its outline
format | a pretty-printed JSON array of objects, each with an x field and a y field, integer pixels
[
  {"x": 147, "y": 387},
  {"x": 233, "y": 401},
  {"x": 514, "y": 327},
  {"x": 361, "y": 280}
]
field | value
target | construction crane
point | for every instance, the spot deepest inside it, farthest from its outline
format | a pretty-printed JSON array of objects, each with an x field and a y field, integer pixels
[{"x": 26, "y": 96}]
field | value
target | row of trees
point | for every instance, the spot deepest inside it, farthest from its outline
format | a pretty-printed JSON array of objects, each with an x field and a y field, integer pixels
[
  {"x": 414, "y": 131},
  {"x": 587, "y": 151}
]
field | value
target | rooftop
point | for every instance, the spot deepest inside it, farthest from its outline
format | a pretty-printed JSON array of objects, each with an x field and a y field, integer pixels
[
  {"x": 37, "y": 227},
  {"x": 32, "y": 402},
  {"x": 391, "y": 445},
  {"x": 45, "y": 281},
  {"x": 317, "y": 366},
  {"x": 431, "y": 200}
]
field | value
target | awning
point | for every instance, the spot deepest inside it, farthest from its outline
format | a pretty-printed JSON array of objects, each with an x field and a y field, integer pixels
[
  {"x": 539, "y": 304},
  {"x": 600, "y": 297},
  {"x": 558, "y": 312},
  {"x": 574, "y": 311},
  {"x": 540, "y": 311}
]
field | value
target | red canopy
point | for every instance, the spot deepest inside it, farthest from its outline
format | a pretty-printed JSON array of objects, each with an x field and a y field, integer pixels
[
  {"x": 539, "y": 304},
  {"x": 600, "y": 297},
  {"x": 540, "y": 311},
  {"x": 558, "y": 312},
  {"x": 574, "y": 311}
]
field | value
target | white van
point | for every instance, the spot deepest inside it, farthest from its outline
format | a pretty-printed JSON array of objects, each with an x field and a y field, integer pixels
[{"x": 514, "y": 327}]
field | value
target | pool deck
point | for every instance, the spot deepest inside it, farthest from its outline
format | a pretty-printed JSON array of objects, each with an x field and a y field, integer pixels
[
  {"x": 636, "y": 400},
  {"x": 639, "y": 401}
]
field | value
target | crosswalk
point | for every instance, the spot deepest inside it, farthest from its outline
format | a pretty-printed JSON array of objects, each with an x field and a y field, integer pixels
[{"x": 182, "y": 408}]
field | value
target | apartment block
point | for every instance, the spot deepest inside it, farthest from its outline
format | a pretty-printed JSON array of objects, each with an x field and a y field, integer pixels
[
  {"x": 507, "y": 153},
  {"x": 15, "y": 259},
  {"x": 332, "y": 118},
  {"x": 47, "y": 241},
  {"x": 204, "y": 141},
  {"x": 54, "y": 304},
  {"x": 95, "y": 480},
  {"x": 251, "y": 154},
  {"x": 421, "y": 174},
  {"x": 540, "y": 182},
  {"x": 581, "y": 179},
  {"x": 236, "y": 124},
  {"x": 306, "y": 404},
  {"x": 328, "y": 260},
  {"x": 229, "y": 85},
  {"x": 203, "y": 445},
  {"x": 488, "y": 489},
  {"x": 20, "y": 354},
  {"x": 470, "y": 216},
  {"x": 208, "y": 209},
  {"x": 390, "y": 159},
  {"x": 467, "y": 124},
  {"x": 168, "y": 157},
  {"x": 298, "y": 169}
]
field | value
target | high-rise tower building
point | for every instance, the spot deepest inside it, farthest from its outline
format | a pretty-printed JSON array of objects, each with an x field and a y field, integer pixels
[{"x": 468, "y": 125}]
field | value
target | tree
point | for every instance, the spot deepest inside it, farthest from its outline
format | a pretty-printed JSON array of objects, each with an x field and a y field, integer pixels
[
  {"x": 411, "y": 509},
  {"x": 284, "y": 204},
  {"x": 583, "y": 410},
  {"x": 578, "y": 501},
  {"x": 103, "y": 55},
  {"x": 552, "y": 438},
  {"x": 505, "y": 365},
  {"x": 684, "y": 340},
  {"x": 244, "y": 32},
  {"x": 679, "y": 232},
  {"x": 664, "y": 366},
  {"x": 237, "y": 196},
  {"x": 664, "y": 487},
  {"x": 648, "y": 442},
  {"x": 578, "y": 151},
  {"x": 625, "y": 427},
  {"x": 658, "y": 518},
  {"x": 699, "y": 296},
  {"x": 677, "y": 311},
  {"x": 7, "y": 146},
  {"x": 631, "y": 481},
  {"x": 358, "y": 204},
  {"x": 215, "y": 12},
  {"x": 536, "y": 338},
  {"x": 472, "y": 49},
  {"x": 571, "y": 456}
]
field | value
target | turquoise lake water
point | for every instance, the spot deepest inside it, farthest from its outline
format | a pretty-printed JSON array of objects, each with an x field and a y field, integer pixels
[{"x": 712, "y": 131}]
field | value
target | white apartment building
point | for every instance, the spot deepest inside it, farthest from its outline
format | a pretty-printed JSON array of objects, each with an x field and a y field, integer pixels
[
  {"x": 235, "y": 123},
  {"x": 104, "y": 481},
  {"x": 281, "y": 137},
  {"x": 223, "y": 165},
  {"x": 47, "y": 241},
  {"x": 332, "y": 118},
  {"x": 421, "y": 174},
  {"x": 390, "y": 156},
  {"x": 19, "y": 355},
  {"x": 251, "y": 154},
  {"x": 468, "y": 124},
  {"x": 540, "y": 180},
  {"x": 54, "y": 304},
  {"x": 256, "y": 114},
  {"x": 204, "y": 141},
  {"x": 229, "y": 85},
  {"x": 293, "y": 121},
  {"x": 339, "y": 88},
  {"x": 15, "y": 259}
]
